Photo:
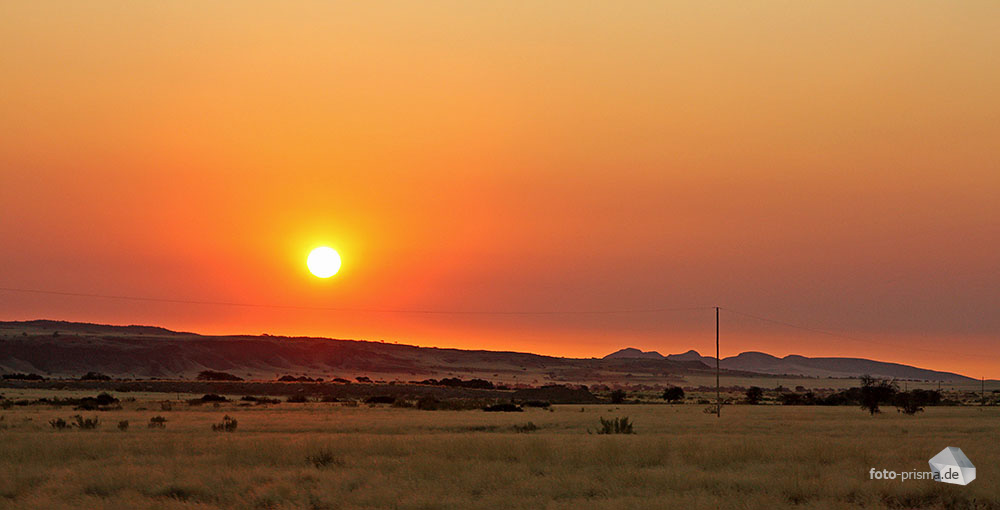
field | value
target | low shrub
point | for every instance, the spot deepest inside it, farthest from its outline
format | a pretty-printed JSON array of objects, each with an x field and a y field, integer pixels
[
  {"x": 297, "y": 399},
  {"x": 325, "y": 458},
  {"x": 157, "y": 422},
  {"x": 123, "y": 425},
  {"x": 85, "y": 423},
  {"x": 525, "y": 428},
  {"x": 380, "y": 399},
  {"x": 616, "y": 426},
  {"x": 228, "y": 425},
  {"x": 59, "y": 424}
]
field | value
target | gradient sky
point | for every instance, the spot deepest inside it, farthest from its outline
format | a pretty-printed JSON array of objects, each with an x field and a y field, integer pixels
[{"x": 829, "y": 164}]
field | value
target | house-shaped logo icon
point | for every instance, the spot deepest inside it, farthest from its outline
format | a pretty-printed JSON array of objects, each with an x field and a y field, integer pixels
[{"x": 952, "y": 466}]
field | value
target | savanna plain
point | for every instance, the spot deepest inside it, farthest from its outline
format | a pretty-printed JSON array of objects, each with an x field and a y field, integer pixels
[{"x": 318, "y": 455}]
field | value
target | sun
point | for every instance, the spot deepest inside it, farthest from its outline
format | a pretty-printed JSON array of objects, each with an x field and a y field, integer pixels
[{"x": 323, "y": 262}]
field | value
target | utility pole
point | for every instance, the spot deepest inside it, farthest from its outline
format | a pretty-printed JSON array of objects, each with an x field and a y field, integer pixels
[
  {"x": 718, "y": 391},
  {"x": 982, "y": 394}
]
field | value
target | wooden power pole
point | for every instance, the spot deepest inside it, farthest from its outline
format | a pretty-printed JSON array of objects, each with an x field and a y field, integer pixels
[{"x": 718, "y": 390}]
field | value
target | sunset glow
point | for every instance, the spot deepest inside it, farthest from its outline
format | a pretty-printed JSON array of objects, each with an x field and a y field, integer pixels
[{"x": 826, "y": 165}]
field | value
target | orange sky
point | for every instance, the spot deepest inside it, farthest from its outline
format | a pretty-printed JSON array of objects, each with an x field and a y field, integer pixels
[{"x": 829, "y": 164}]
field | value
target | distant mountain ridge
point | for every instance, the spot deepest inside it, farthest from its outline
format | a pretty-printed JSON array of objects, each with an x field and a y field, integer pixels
[
  {"x": 793, "y": 364},
  {"x": 71, "y": 349}
]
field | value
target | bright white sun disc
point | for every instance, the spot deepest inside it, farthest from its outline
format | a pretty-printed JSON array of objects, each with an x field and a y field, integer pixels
[{"x": 323, "y": 262}]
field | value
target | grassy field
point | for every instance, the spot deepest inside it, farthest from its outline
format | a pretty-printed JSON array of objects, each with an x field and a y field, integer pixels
[{"x": 329, "y": 456}]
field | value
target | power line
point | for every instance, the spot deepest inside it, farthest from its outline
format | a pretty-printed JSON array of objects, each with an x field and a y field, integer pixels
[{"x": 358, "y": 310}]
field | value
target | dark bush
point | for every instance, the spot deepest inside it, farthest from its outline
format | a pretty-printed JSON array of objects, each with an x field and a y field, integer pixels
[
  {"x": 363, "y": 379},
  {"x": 59, "y": 424},
  {"x": 907, "y": 404},
  {"x": 913, "y": 402},
  {"x": 106, "y": 399},
  {"x": 123, "y": 425},
  {"x": 427, "y": 403},
  {"x": 211, "y": 375},
  {"x": 536, "y": 403},
  {"x": 927, "y": 397},
  {"x": 798, "y": 399},
  {"x": 297, "y": 399},
  {"x": 292, "y": 378},
  {"x": 503, "y": 408},
  {"x": 618, "y": 396},
  {"x": 95, "y": 376},
  {"x": 329, "y": 398},
  {"x": 100, "y": 402},
  {"x": 157, "y": 422},
  {"x": 23, "y": 377},
  {"x": 754, "y": 394},
  {"x": 673, "y": 394},
  {"x": 455, "y": 382},
  {"x": 260, "y": 400},
  {"x": 380, "y": 399},
  {"x": 402, "y": 402},
  {"x": 228, "y": 425}
]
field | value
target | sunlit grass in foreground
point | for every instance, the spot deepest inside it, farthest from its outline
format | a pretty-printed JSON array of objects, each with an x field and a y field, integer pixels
[{"x": 323, "y": 456}]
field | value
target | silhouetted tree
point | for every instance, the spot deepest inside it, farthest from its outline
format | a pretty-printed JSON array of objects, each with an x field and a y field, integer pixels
[
  {"x": 875, "y": 391},
  {"x": 754, "y": 394},
  {"x": 673, "y": 394}
]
